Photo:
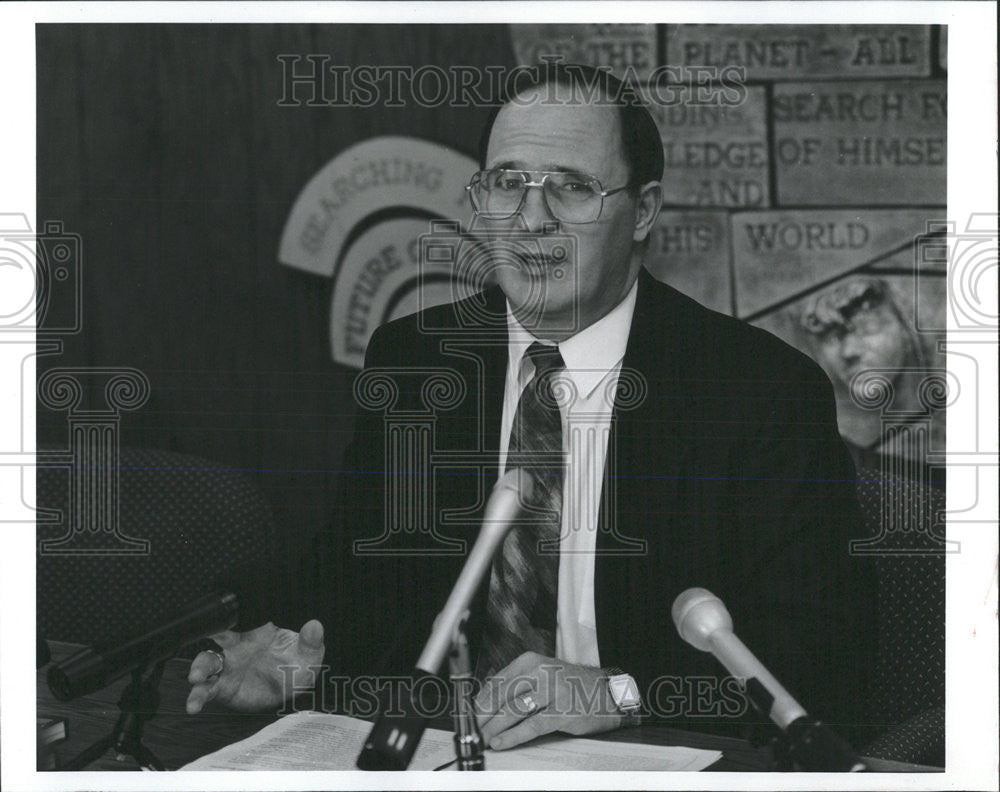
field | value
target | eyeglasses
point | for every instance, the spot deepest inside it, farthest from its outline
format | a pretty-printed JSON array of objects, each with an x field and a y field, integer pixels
[{"x": 570, "y": 197}]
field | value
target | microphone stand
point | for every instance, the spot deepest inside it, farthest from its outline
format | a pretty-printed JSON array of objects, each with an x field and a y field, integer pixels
[
  {"x": 468, "y": 739},
  {"x": 393, "y": 739},
  {"x": 806, "y": 744},
  {"x": 138, "y": 703}
]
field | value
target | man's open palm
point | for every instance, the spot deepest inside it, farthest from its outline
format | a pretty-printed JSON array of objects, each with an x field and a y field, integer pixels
[{"x": 263, "y": 668}]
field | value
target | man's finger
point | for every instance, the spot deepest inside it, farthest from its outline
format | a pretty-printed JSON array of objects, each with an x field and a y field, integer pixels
[
  {"x": 519, "y": 673},
  {"x": 226, "y": 639},
  {"x": 487, "y": 700},
  {"x": 509, "y": 716},
  {"x": 523, "y": 665},
  {"x": 518, "y": 677},
  {"x": 206, "y": 664},
  {"x": 501, "y": 695},
  {"x": 524, "y": 700},
  {"x": 526, "y": 730},
  {"x": 311, "y": 637},
  {"x": 200, "y": 695}
]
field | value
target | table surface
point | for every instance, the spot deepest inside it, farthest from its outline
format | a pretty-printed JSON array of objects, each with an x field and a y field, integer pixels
[{"x": 178, "y": 738}]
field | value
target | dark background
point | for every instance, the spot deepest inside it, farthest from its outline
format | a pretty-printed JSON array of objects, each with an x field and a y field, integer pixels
[{"x": 164, "y": 147}]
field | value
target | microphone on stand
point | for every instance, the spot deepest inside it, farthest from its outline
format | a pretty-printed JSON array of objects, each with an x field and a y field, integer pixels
[
  {"x": 238, "y": 601},
  {"x": 704, "y": 622},
  {"x": 94, "y": 668},
  {"x": 393, "y": 739}
]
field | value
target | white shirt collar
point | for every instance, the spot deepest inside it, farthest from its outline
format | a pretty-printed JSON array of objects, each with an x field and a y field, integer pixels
[{"x": 590, "y": 354}]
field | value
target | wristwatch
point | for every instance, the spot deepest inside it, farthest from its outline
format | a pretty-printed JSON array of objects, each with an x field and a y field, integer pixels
[{"x": 625, "y": 693}]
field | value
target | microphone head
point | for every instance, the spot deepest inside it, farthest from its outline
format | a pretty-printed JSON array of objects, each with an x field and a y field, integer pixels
[
  {"x": 250, "y": 593},
  {"x": 82, "y": 673},
  {"x": 698, "y": 613}
]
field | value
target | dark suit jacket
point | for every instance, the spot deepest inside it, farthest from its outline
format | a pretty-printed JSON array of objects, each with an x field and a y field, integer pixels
[{"x": 727, "y": 473}]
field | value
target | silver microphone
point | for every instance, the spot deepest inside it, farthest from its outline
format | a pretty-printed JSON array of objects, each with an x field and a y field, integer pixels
[
  {"x": 394, "y": 738},
  {"x": 704, "y": 622},
  {"x": 505, "y": 503}
]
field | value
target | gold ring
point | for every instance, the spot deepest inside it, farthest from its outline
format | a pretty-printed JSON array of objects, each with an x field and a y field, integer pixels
[
  {"x": 529, "y": 703},
  {"x": 222, "y": 661}
]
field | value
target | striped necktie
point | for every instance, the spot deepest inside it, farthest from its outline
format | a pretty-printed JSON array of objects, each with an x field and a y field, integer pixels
[{"x": 521, "y": 609}]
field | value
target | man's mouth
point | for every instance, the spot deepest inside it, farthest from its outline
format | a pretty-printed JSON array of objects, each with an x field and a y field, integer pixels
[
  {"x": 532, "y": 259},
  {"x": 536, "y": 261},
  {"x": 539, "y": 263}
]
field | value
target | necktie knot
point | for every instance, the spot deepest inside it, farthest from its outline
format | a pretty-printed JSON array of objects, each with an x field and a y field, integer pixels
[{"x": 547, "y": 359}]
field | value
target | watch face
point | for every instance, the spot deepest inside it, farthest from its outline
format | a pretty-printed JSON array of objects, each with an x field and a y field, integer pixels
[{"x": 624, "y": 691}]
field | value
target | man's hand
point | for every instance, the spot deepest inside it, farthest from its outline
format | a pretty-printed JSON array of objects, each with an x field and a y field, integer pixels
[
  {"x": 536, "y": 695},
  {"x": 250, "y": 678}
]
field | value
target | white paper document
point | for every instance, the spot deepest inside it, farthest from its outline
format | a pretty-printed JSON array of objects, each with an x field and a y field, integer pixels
[
  {"x": 313, "y": 741},
  {"x": 319, "y": 741}
]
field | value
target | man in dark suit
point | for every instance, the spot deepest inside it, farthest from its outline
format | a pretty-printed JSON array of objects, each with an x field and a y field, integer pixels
[{"x": 695, "y": 451}]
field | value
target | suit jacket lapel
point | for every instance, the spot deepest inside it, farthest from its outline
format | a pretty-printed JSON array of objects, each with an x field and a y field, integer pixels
[
  {"x": 482, "y": 346},
  {"x": 624, "y": 545},
  {"x": 477, "y": 349},
  {"x": 494, "y": 374}
]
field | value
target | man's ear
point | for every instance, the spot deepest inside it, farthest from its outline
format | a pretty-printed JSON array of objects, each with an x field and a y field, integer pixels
[{"x": 650, "y": 199}]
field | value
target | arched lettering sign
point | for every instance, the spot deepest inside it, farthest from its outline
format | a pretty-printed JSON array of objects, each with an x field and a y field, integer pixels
[{"x": 359, "y": 220}]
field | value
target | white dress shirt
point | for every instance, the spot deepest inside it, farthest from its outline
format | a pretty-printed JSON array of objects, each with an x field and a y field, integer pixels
[{"x": 593, "y": 359}]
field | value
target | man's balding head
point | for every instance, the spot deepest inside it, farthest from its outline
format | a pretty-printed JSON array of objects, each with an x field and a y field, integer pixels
[
  {"x": 639, "y": 138},
  {"x": 576, "y": 133}
]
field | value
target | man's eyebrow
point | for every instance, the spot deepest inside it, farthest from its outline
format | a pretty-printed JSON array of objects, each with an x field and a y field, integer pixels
[{"x": 511, "y": 165}]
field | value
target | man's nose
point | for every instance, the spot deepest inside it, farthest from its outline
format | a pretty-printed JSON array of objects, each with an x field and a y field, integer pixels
[
  {"x": 850, "y": 347},
  {"x": 535, "y": 212}
]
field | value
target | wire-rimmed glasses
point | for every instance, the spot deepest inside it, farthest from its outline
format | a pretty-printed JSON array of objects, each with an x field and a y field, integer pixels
[{"x": 570, "y": 197}]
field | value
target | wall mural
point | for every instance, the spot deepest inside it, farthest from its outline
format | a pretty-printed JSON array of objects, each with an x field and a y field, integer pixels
[
  {"x": 359, "y": 220},
  {"x": 797, "y": 208},
  {"x": 800, "y": 209}
]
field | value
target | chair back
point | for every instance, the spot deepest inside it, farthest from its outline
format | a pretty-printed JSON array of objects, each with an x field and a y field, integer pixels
[
  {"x": 905, "y": 522},
  {"x": 182, "y": 523}
]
